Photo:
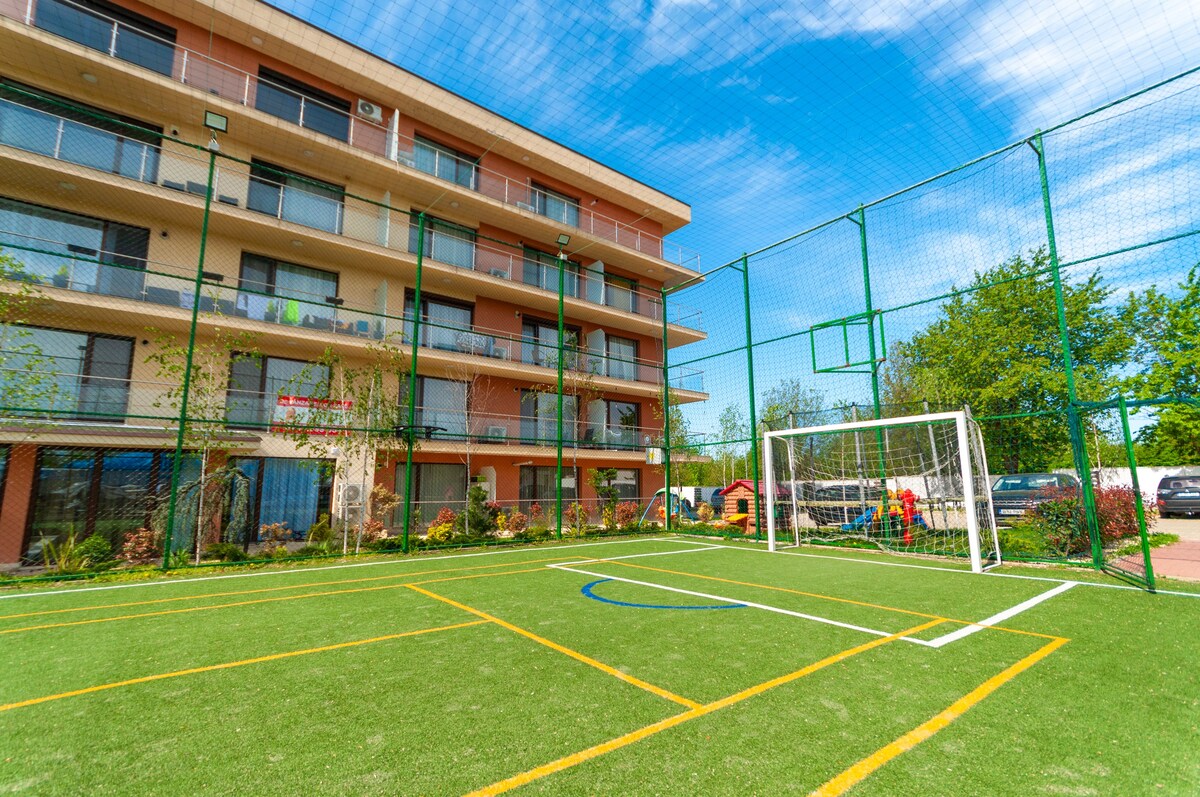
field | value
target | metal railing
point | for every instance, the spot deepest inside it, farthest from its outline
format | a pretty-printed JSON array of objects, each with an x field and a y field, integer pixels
[
  {"x": 311, "y": 205},
  {"x": 119, "y": 40},
  {"x": 101, "y": 272}
]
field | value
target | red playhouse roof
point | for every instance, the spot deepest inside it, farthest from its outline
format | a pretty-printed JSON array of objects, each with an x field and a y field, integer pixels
[{"x": 749, "y": 485}]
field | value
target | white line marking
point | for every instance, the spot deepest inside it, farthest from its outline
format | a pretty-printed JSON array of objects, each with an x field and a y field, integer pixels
[
  {"x": 1000, "y": 617},
  {"x": 954, "y": 570},
  {"x": 305, "y": 570},
  {"x": 708, "y": 596},
  {"x": 656, "y": 553}
]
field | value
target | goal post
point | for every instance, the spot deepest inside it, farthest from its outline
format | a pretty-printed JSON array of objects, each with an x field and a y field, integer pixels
[{"x": 913, "y": 484}]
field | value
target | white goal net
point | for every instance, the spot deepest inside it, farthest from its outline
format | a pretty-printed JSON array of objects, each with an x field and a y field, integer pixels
[{"x": 916, "y": 484}]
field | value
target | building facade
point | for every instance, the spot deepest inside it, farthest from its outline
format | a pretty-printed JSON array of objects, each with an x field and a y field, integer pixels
[{"x": 320, "y": 212}]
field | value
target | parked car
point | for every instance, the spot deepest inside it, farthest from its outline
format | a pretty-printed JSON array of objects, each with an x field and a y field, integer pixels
[
  {"x": 1179, "y": 496},
  {"x": 717, "y": 502},
  {"x": 1013, "y": 496},
  {"x": 841, "y": 504}
]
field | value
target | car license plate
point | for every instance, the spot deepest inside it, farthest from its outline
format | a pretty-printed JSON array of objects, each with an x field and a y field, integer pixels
[
  {"x": 1012, "y": 511},
  {"x": 1187, "y": 495}
]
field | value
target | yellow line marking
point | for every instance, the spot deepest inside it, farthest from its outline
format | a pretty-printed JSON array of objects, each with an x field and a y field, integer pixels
[
  {"x": 231, "y": 664},
  {"x": 278, "y": 589},
  {"x": 683, "y": 701},
  {"x": 257, "y": 601},
  {"x": 831, "y": 598},
  {"x": 574, "y": 759},
  {"x": 858, "y": 772}
]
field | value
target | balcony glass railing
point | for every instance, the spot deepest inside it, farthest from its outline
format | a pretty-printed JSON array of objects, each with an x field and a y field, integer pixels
[
  {"x": 39, "y": 385},
  {"x": 43, "y": 262},
  {"x": 67, "y": 140},
  {"x": 481, "y": 427},
  {"x": 91, "y": 29},
  {"x": 210, "y": 76}
]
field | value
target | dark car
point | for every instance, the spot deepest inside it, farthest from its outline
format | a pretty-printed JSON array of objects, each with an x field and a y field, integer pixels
[
  {"x": 841, "y": 504},
  {"x": 1179, "y": 496},
  {"x": 1013, "y": 496}
]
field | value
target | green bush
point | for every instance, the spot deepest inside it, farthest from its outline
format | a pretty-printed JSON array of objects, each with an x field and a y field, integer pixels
[
  {"x": 226, "y": 552},
  {"x": 1023, "y": 540},
  {"x": 95, "y": 551},
  {"x": 63, "y": 557},
  {"x": 313, "y": 550},
  {"x": 320, "y": 532}
]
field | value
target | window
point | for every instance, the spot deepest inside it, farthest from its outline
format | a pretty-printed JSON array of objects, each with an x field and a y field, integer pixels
[
  {"x": 444, "y": 322},
  {"x": 255, "y": 385},
  {"x": 540, "y": 343},
  {"x": 444, "y": 162},
  {"x": 289, "y": 99},
  {"x": 541, "y": 270},
  {"x": 554, "y": 205},
  {"x": 539, "y": 418},
  {"x": 67, "y": 130},
  {"x": 68, "y": 375},
  {"x": 622, "y": 358},
  {"x": 296, "y": 198},
  {"x": 441, "y": 402},
  {"x": 69, "y": 246},
  {"x": 303, "y": 290},
  {"x": 537, "y": 486},
  {"x": 110, "y": 29},
  {"x": 620, "y": 293},
  {"x": 107, "y": 491},
  {"x": 290, "y": 491},
  {"x": 622, "y": 423},
  {"x": 445, "y": 242},
  {"x": 435, "y": 485},
  {"x": 627, "y": 484}
]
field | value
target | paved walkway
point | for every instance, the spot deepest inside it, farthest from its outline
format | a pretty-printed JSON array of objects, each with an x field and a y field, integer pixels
[{"x": 1181, "y": 560}]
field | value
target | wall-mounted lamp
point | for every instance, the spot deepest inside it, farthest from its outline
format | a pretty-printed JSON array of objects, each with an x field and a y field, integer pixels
[
  {"x": 216, "y": 122},
  {"x": 336, "y": 301}
]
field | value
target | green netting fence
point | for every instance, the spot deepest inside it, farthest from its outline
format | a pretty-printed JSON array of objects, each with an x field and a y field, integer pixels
[{"x": 1051, "y": 287}]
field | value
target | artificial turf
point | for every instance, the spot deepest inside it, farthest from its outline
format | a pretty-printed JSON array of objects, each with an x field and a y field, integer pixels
[{"x": 368, "y": 707}]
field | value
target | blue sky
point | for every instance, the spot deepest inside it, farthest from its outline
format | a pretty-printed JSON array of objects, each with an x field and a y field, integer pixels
[{"x": 770, "y": 117}]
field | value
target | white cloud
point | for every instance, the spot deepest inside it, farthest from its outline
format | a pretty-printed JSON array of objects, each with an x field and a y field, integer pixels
[{"x": 1056, "y": 60}]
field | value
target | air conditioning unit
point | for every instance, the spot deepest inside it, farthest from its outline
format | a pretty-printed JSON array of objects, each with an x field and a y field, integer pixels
[
  {"x": 497, "y": 432},
  {"x": 369, "y": 111},
  {"x": 352, "y": 494},
  {"x": 498, "y": 272}
]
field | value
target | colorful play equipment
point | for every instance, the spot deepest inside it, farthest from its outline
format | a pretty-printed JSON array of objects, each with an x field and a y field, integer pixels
[
  {"x": 905, "y": 517},
  {"x": 658, "y": 508}
]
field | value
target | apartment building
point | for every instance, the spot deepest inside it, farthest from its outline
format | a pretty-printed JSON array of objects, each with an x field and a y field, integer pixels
[{"x": 336, "y": 179}]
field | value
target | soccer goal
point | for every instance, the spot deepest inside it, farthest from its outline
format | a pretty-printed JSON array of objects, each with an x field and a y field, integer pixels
[{"x": 916, "y": 484}]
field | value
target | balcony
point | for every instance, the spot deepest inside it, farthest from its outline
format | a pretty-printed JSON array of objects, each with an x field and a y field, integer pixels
[
  {"x": 473, "y": 427},
  {"x": 310, "y": 204},
  {"x": 118, "y": 40},
  {"x": 57, "y": 264}
]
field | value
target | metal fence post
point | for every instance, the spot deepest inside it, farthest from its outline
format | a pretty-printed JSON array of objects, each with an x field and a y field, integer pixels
[
  {"x": 410, "y": 431},
  {"x": 666, "y": 403},
  {"x": 1131, "y": 455},
  {"x": 1075, "y": 423},
  {"x": 750, "y": 390},
  {"x": 558, "y": 509},
  {"x": 173, "y": 506}
]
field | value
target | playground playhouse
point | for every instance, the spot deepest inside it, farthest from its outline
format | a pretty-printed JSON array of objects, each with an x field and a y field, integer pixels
[{"x": 741, "y": 502}]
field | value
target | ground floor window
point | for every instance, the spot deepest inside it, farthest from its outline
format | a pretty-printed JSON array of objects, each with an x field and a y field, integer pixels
[
  {"x": 537, "y": 485},
  {"x": 628, "y": 484},
  {"x": 435, "y": 485},
  {"x": 290, "y": 491},
  {"x": 85, "y": 491}
]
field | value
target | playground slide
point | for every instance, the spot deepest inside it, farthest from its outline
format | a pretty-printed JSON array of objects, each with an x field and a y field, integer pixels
[{"x": 863, "y": 521}]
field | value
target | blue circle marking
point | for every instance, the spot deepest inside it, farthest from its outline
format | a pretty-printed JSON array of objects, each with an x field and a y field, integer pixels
[{"x": 589, "y": 593}]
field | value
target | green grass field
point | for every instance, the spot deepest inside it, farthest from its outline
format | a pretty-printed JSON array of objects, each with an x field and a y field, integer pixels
[{"x": 653, "y": 666}]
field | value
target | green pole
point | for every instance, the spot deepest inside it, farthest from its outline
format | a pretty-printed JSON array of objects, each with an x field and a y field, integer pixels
[
  {"x": 750, "y": 389},
  {"x": 1131, "y": 455},
  {"x": 1074, "y": 422},
  {"x": 666, "y": 402},
  {"x": 412, "y": 385},
  {"x": 861, "y": 221},
  {"x": 173, "y": 506},
  {"x": 562, "y": 275}
]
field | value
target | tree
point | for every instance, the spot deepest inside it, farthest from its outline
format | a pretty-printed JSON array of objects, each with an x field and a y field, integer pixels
[
  {"x": 1169, "y": 338},
  {"x": 790, "y": 404},
  {"x": 733, "y": 429},
  {"x": 350, "y": 418},
  {"x": 996, "y": 347},
  {"x": 206, "y": 427}
]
